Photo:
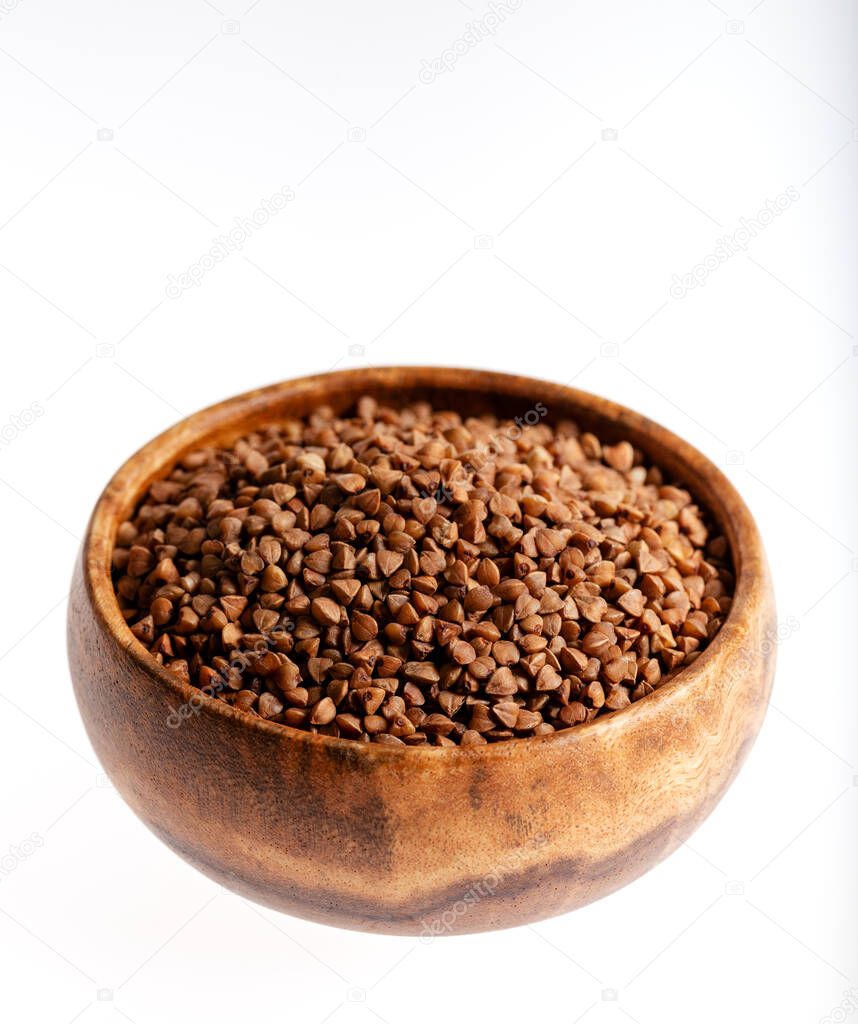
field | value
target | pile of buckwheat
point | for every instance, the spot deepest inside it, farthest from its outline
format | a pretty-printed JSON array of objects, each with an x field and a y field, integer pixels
[{"x": 411, "y": 576}]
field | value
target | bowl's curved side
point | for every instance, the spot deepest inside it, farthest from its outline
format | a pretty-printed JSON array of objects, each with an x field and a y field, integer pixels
[
  {"x": 433, "y": 842},
  {"x": 411, "y": 841}
]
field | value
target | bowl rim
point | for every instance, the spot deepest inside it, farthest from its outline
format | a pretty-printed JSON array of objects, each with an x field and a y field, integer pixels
[{"x": 729, "y": 510}]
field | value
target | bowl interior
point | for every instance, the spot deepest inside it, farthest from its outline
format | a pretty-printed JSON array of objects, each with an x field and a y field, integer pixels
[{"x": 469, "y": 392}]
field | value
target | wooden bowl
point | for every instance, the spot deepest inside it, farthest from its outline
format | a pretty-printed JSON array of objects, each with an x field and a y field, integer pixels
[{"x": 420, "y": 840}]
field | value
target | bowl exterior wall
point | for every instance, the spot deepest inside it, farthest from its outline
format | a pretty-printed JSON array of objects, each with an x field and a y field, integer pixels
[
  {"x": 434, "y": 841},
  {"x": 438, "y": 843}
]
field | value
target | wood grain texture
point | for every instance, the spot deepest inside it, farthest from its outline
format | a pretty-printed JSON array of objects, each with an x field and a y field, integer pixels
[{"x": 421, "y": 840}]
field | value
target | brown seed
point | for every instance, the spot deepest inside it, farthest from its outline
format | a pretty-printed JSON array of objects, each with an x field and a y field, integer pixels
[
  {"x": 506, "y": 713},
  {"x": 393, "y": 707},
  {"x": 591, "y": 607},
  {"x": 412, "y": 576},
  {"x": 389, "y": 561},
  {"x": 573, "y": 660},
  {"x": 401, "y": 726},
  {"x": 573, "y": 714},
  {"x": 270, "y": 549},
  {"x": 187, "y": 621},
  {"x": 292, "y": 539},
  {"x": 620, "y": 456},
  {"x": 364, "y": 627},
  {"x": 527, "y": 720},
  {"x": 144, "y": 630},
  {"x": 325, "y": 611},
  {"x": 265, "y": 619},
  {"x": 269, "y": 705},
  {"x": 632, "y": 602},
  {"x": 233, "y": 606},
  {"x": 602, "y": 574},
  {"x": 287, "y": 675},
  {"x": 386, "y": 479},
  {"x": 370, "y": 698},
  {"x": 548, "y": 678},
  {"x": 482, "y": 668},
  {"x": 597, "y": 641},
  {"x": 413, "y": 695},
  {"x": 386, "y": 739},
  {"x": 424, "y": 509},
  {"x": 324, "y": 712},
  {"x": 502, "y": 683},
  {"x": 423, "y": 672},
  {"x": 140, "y": 561},
  {"x": 510, "y": 590},
  {"x": 245, "y": 699},
  {"x": 345, "y": 590},
  {"x": 273, "y": 578},
  {"x": 252, "y": 563},
  {"x": 478, "y": 600},
  {"x": 505, "y": 652},
  {"x": 161, "y": 610},
  {"x": 481, "y": 720},
  {"x": 351, "y": 483},
  {"x": 550, "y": 542},
  {"x": 349, "y": 726},
  {"x": 450, "y": 702},
  {"x": 437, "y": 724},
  {"x": 595, "y": 694},
  {"x": 463, "y": 653},
  {"x": 617, "y": 697},
  {"x": 166, "y": 571}
]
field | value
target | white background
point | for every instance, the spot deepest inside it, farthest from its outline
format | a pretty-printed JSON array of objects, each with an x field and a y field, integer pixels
[{"x": 481, "y": 219}]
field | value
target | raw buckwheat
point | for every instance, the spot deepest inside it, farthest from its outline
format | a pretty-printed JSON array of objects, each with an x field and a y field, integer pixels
[{"x": 409, "y": 576}]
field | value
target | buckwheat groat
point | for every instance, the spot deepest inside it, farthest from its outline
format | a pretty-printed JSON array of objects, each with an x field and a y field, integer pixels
[{"x": 412, "y": 576}]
